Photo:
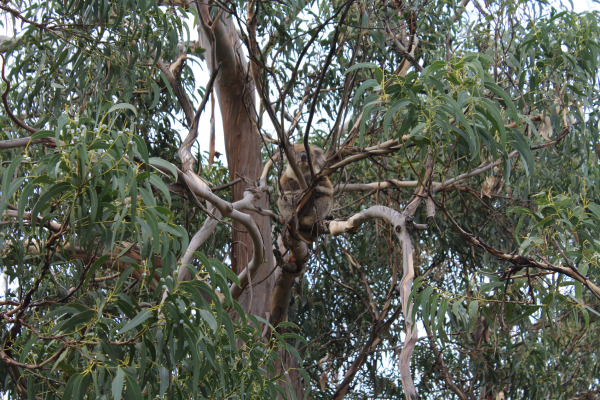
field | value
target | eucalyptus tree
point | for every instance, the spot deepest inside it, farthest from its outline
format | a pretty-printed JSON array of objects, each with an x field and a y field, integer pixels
[{"x": 460, "y": 259}]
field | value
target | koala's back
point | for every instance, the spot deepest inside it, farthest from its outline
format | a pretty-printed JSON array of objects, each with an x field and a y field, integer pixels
[
  {"x": 317, "y": 209},
  {"x": 319, "y": 205}
]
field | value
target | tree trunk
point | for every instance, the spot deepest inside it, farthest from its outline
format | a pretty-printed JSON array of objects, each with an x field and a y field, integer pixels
[{"x": 235, "y": 92}]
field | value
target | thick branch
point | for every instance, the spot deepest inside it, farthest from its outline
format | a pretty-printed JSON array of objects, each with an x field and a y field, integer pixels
[
  {"x": 197, "y": 240},
  {"x": 22, "y": 142},
  {"x": 227, "y": 210},
  {"x": 182, "y": 97}
]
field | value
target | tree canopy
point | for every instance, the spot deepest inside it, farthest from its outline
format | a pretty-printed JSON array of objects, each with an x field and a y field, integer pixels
[{"x": 461, "y": 258}]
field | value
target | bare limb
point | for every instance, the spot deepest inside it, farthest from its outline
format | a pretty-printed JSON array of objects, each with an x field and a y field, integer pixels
[
  {"x": 12, "y": 116},
  {"x": 182, "y": 97},
  {"x": 184, "y": 151}
]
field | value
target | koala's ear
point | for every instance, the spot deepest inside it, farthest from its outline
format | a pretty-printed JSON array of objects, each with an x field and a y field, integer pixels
[{"x": 319, "y": 156}]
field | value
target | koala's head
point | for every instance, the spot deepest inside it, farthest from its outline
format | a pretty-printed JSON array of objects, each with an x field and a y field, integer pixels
[{"x": 317, "y": 156}]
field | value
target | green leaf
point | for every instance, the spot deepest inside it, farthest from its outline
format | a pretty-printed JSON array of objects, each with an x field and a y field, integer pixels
[
  {"x": 594, "y": 208},
  {"x": 138, "y": 319},
  {"x": 156, "y": 91},
  {"x": 209, "y": 318},
  {"x": 429, "y": 312},
  {"x": 193, "y": 345},
  {"x": 133, "y": 389},
  {"x": 392, "y": 113},
  {"x": 433, "y": 68},
  {"x": 79, "y": 319},
  {"x": 520, "y": 143},
  {"x": 27, "y": 347},
  {"x": 42, "y": 134},
  {"x": 166, "y": 81},
  {"x": 6, "y": 182},
  {"x": 367, "y": 65},
  {"x": 152, "y": 221},
  {"x": 370, "y": 83},
  {"x": 120, "y": 106},
  {"x": 492, "y": 86},
  {"x": 117, "y": 385},
  {"x": 473, "y": 308},
  {"x": 441, "y": 318},
  {"x": 73, "y": 308},
  {"x": 161, "y": 164},
  {"x": 27, "y": 192},
  {"x": 80, "y": 387},
  {"x": 59, "y": 189},
  {"x": 496, "y": 118},
  {"x": 528, "y": 311},
  {"x": 100, "y": 261},
  {"x": 459, "y": 312},
  {"x": 163, "y": 375},
  {"x": 124, "y": 275},
  {"x": 225, "y": 271},
  {"x": 586, "y": 315},
  {"x": 486, "y": 287},
  {"x": 140, "y": 146},
  {"x": 230, "y": 331},
  {"x": 418, "y": 129},
  {"x": 11, "y": 190},
  {"x": 422, "y": 298},
  {"x": 160, "y": 185},
  {"x": 68, "y": 393}
]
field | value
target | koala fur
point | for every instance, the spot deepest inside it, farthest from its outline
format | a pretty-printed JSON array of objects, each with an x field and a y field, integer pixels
[{"x": 321, "y": 203}]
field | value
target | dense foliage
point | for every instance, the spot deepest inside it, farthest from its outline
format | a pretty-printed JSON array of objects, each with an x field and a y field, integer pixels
[{"x": 491, "y": 109}]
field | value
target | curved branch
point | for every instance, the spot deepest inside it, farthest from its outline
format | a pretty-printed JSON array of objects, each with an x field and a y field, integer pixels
[
  {"x": 404, "y": 226},
  {"x": 182, "y": 97},
  {"x": 352, "y": 224},
  {"x": 7, "y": 107},
  {"x": 227, "y": 210},
  {"x": 197, "y": 240}
]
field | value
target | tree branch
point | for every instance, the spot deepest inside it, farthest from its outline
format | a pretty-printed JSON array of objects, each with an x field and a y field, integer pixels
[{"x": 184, "y": 152}]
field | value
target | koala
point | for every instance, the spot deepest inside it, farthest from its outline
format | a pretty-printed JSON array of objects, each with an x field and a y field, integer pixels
[{"x": 320, "y": 205}]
